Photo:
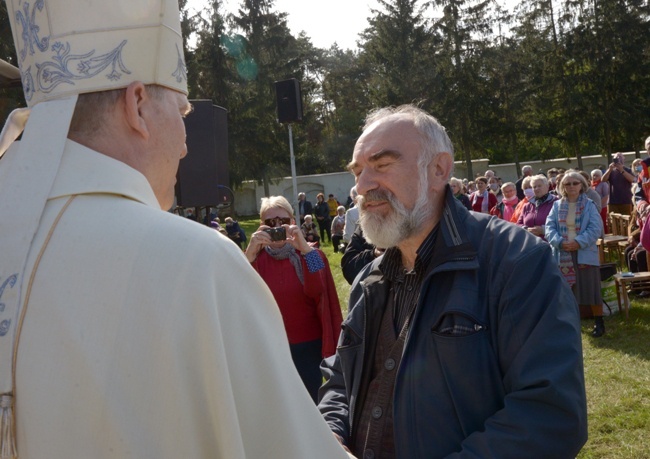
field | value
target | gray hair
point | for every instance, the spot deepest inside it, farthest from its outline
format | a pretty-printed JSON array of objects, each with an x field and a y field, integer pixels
[
  {"x": 434, "y": 136},
  {"x": 457, "y": 182},
  {"x": 572, "y": 174},
  {"x": 526, "y": 182},
  {"x": 526, "y": 168},
  {"x": 597, "y": 172},
  {"x": 539, "y": 178},
  {"x": 93, "y": 108},
  {"x": 275, "y": 202},
  {"x": 507, "y": 184}
]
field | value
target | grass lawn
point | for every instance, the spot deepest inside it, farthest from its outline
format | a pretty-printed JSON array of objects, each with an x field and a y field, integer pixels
[{"x": 617, "y": 375}]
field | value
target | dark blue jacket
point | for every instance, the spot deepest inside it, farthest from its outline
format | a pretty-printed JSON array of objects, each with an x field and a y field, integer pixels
[{"x": 510, "y": 386}]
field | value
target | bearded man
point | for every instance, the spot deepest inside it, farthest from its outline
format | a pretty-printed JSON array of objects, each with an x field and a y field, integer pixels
[{"x": 447, "y": 348}]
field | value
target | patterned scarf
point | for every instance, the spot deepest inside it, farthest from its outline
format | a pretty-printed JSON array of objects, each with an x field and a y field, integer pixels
[
  {"x": 287, "y": 251},
  {"x": 484, "y": 204},
  {"x": 566, "y": 261}
]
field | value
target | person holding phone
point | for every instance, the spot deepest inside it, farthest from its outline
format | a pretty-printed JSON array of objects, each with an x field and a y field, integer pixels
[
  {"x": 620, "y": 179},
  {"x": 301, "y": 282}
]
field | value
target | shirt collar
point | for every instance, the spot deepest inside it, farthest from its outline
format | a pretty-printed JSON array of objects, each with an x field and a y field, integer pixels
[
  {"x": 85, "y": 171},
  {"x": 391, "y": 264}
]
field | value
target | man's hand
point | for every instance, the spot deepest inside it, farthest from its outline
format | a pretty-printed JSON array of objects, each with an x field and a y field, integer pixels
[
  {"x": 340, "y": 440},
  {"x": 536, "y": 230}
]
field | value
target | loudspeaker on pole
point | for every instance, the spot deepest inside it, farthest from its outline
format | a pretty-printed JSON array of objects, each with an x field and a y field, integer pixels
[{"x": 289, "y": 101}]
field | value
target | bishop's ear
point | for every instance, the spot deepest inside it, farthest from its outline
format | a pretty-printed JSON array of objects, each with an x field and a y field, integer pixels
[{"x": 136, "y": 105}]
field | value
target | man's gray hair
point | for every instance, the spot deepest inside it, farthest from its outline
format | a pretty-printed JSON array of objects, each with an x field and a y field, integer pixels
[
  {"x": 526, "y": 168},
  {"x": 434, "y": 135}
]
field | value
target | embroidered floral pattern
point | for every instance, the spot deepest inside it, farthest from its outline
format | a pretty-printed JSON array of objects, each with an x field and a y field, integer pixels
[
  {"x": 31, "y": 29},
  {"x": 67, "y": 68},
  {"x": 10, "y": 281},
  {"x": 28, "y": 83},
  {"x": 181, "y": 70}
]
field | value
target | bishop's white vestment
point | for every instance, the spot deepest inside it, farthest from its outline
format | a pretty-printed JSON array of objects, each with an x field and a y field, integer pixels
[{"x": 147, "y": 335}]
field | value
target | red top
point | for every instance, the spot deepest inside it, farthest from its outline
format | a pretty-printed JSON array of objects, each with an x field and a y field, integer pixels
[
  {"x": 478, "y": 205},
  {"x": 300, "y": 305}
]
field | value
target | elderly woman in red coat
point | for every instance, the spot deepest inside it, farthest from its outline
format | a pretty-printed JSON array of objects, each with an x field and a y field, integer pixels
[{"x": 300, "y": 279}]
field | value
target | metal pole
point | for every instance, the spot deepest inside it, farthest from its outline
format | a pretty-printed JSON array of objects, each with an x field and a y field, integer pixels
[{"x": 293, "y": 177}]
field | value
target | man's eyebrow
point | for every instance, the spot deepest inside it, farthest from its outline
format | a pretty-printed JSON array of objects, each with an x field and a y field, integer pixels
[{"x": 392, "y": 154}]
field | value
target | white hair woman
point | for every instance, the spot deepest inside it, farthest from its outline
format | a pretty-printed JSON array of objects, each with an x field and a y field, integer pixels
[
  {"x": 528, "y": 192},
  {"x": 533, "y": 215},
  {"x": 457, "y": 186},
  {"x": 506, "y": 208},
  {"x": 300, "y": 279},
  {"x": 338, "y": 225},
  {"x": 572, "y": 228}
]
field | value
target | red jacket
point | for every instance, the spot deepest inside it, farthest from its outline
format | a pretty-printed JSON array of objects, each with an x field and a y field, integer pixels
[{"x": 310, "y": 311}]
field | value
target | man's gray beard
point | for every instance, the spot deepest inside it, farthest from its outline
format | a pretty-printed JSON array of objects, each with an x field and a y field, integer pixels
[{"x": 399, "y": 224}]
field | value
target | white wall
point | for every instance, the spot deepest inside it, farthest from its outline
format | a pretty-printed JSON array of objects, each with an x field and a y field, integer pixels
[{"x": 248, "y": 196}]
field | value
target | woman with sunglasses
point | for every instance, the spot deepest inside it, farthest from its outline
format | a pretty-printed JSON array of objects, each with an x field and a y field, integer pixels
[
  {"x": 573, "y": 228},
  {"x": 300, "y": 279}
]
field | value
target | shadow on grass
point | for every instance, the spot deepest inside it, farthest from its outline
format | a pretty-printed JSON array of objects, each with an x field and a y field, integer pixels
[{"x": 631, "y": 336}]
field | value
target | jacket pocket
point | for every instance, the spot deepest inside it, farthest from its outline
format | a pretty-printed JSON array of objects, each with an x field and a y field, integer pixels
[
  {"x": 457, "y": 324},
  {"x": 470, "y": 368}
]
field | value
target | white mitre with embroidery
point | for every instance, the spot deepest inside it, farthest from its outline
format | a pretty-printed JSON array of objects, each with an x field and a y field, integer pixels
[{"x": 65, "y": 48}]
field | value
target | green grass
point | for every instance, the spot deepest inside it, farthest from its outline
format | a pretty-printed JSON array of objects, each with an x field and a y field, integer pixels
[{"x": 617, "y": 375}]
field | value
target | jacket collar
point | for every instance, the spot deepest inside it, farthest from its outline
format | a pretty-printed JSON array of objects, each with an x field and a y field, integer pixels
[{"x": 453, "y": 243}]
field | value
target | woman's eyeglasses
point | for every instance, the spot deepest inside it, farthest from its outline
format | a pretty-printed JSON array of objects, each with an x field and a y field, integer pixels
[
  {"x": 572, "y": 184},
  {"x": 276, "y": 221}
]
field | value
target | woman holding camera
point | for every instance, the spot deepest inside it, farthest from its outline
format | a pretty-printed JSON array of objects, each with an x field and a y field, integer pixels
[{"x": 300, "y": 279}]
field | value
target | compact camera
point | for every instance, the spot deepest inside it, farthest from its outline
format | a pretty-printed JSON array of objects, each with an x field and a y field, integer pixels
[{"x": 277, "y": 234}]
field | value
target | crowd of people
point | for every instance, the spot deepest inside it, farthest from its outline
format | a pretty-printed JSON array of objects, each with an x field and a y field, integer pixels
[
  {"x": 127, "y": 331},
  {"x": 561, "y": 207}
]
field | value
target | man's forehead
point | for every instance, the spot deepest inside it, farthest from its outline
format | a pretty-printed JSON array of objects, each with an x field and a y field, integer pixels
[{"x": 388, "y": 134}]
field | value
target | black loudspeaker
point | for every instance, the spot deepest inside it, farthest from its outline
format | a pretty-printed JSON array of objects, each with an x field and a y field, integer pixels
[
  {"x": 289, "y": 101},
  {"x": 204, "y": 172}
]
